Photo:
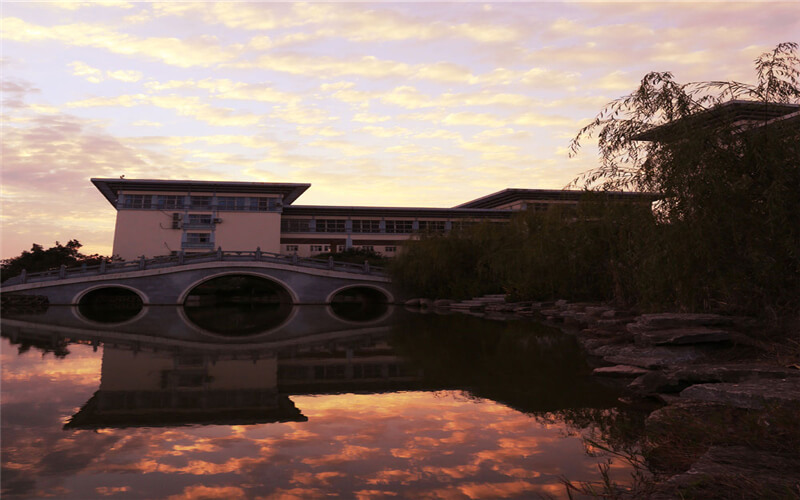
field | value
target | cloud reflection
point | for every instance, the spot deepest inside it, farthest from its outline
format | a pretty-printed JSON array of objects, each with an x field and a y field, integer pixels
[{"x": 409, "y": 444}]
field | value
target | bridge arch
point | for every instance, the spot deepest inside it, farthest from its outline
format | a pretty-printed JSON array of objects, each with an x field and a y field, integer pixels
[
  {"x": 110, "y": 304},
  {"x": 285, "y": 286}
]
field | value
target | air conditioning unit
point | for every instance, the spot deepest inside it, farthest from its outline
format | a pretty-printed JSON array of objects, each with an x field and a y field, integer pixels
[
  {"x": 176, "y": 221},
  {"x": 217, "y": 220}
]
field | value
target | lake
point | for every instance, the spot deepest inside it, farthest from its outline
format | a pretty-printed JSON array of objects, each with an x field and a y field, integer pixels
[{"x": 264, "y": 401}]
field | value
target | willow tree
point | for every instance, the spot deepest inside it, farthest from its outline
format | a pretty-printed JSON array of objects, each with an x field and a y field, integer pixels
[{"x": 724, "y": 156}]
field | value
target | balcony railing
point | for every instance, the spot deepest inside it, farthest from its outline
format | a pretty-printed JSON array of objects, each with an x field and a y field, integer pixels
[{"x": 198, "y": 244}]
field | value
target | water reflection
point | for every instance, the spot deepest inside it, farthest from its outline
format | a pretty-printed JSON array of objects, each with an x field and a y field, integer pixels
[
  {"x": 359, "y": 304},
  {"x": 239, "y": 320},
  {"x": 412, "y": 406}
]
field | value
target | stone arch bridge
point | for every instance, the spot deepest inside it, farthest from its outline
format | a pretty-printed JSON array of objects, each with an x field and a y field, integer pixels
[{"x": 170, "y": 280}]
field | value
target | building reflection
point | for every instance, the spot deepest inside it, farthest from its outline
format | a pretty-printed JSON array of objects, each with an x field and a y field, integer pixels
[
  {"x": 167, "y": 383},
  {"x": 166, "y": 388},
  {"x": 171, "y": 375}
]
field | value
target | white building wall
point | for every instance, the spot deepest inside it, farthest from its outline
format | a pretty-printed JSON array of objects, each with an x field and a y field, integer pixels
[
  {"x": 145, "y": 232},
  {"x": 248, "y": 230}
]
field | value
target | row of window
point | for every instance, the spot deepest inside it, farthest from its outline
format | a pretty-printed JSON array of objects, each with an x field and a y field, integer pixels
[
  {"x": 340, "y": 248},
  {"x": 366, "y": 226},
  {"x": 172, "y": 202},
  {"x": 339, "y": 371}
]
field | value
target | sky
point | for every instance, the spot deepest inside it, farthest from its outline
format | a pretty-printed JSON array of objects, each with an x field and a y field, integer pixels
[{"x": 374, "y": 104}]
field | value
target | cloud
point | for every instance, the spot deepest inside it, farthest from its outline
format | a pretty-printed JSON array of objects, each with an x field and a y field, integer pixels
[
  {"x": 370, "y": 118},
  {"x": 356, "y": 23},
  {"x": 200, "y": 492},
  {"x": 201, "y": 51},
  {"x": 474, "y": 119},
  {"x": 183, "y": 105},
  {"x": 343, "y": 147},
  {"x": 72, "y": 5},
  {"x": 304, "y": 115},
  {"x": 319, "y": 131},
  {"x": 385, "y": 131},
  {"x": 125, "y": 76},
  {"x": 92, "y": 75}
]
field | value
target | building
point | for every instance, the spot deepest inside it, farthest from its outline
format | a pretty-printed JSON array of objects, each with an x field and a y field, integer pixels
[
  {"x": 737, "y": 115},
  {"x": 163, "y": 217}
]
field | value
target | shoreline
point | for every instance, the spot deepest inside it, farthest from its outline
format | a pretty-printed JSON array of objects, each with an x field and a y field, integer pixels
[{"x": 713, "y": 375}]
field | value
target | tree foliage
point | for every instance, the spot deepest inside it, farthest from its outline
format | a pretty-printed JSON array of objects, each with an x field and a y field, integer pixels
[
  {"x": 627, "y": 162},
  {"x": 38, "y": 259},
  {"x": 730, "y": 236},
  {"x": 727, "y": 233}
]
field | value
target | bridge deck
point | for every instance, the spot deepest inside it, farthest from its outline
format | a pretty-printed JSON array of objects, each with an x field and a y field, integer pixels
[{"x": 185, "y": 259}]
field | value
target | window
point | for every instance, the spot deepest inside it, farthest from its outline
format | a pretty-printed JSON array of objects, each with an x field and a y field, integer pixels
[
  {"x": 200, "y": 201},
  {"x": 198, "y": 238},
  {"x": 292, "y": 248},
  {"x": 368, "y": 248},
  {"x": 171, "y": 201},
  {"x": 366, "y": 226},
  {"x": 390, "y": 249},
  {"x": 262, "y": 204},
  {"x": 138, "y": 200},
  {"x": 330, "y": 225},
  {"x": 367, "y": 371},
  {"x": 340, "y": 248},
  {"x": 198, "y": 220},
  {"x": 399, "y": 226},
  {"x": 329, "y": 372},
  {"x": 320, "y": 248},
  {"x": 431, "y": 226},
  {"x": 231, "y": 203},
  {"x": 295, "y": 225}
]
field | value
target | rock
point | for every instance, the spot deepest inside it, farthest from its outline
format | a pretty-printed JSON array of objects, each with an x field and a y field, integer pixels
[
  {"x": 732, "y": 373},
  {"x": 648, "y": 357},
  {"x": 662, "y": 321},
  {"x": 684, "y": 336},
  {"x": 621, "y": 371},
  {"x": 609, "y": 314},
  {"x": 573, "y": 318},
  {"x": 593, "y": 344},
  {"x": 724, "y": 471},
  {"x": 595, "y": 310},
  {"x": 443, "y": 302},
  {"x": 561, "y": 303},
  {"x": 655, "y": 382},
  {"x": 612, "y": 322},
  {"x": 748, "y": 394}
]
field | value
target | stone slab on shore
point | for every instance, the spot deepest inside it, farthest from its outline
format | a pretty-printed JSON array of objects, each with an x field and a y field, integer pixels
[
  {"x": 750, "y": 394},
  {"x": 747, "y": 472},
  {"x": 684, "y": 336}
]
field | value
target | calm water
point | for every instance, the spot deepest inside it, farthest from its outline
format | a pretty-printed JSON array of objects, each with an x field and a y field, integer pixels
[{"x": 301, "y": 403}]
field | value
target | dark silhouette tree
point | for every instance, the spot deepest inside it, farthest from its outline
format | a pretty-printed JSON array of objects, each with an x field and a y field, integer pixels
[
  {"x": 730, "y": 189},
  {"x": 38, "y": 259}
]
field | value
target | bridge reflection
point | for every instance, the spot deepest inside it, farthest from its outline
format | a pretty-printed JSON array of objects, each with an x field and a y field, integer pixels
[
  {"x": 164, "y": 369},
  {"x": 145, "y": 382}
]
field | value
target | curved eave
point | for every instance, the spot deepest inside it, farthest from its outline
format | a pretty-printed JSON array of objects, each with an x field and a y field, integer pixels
[
  {"x": 512, "y": 195},
  {"x": 110, "y": 188}
]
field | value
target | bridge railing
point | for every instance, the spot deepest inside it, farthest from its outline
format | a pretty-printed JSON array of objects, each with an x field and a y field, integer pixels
[{"x": 181, "y": 259}]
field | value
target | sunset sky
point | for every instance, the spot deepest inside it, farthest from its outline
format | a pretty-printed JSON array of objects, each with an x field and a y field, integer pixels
[{"x": 407, "y": 104}]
